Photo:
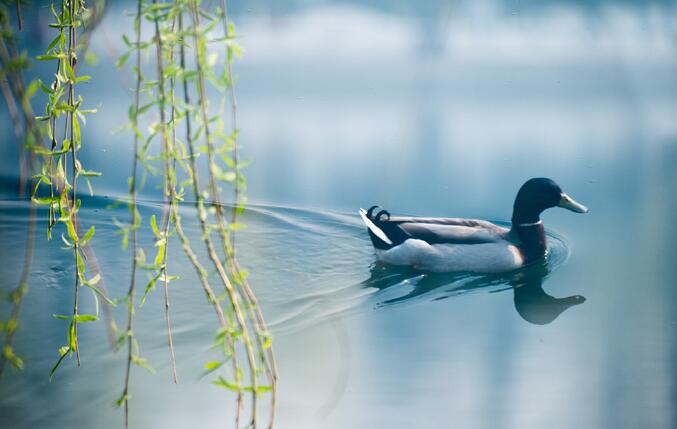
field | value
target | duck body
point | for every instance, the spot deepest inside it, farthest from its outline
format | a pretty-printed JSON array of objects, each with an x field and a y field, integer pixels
[
  {"x": 458, "y": 244},
  {"x": 447, "y": 245}
]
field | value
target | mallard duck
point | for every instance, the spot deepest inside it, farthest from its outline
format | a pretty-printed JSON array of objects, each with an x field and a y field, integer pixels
[{"x": 457, "y": 244}]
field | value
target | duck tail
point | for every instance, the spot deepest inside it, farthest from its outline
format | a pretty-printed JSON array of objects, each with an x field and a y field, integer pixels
[{"x": 379, "y": 239}]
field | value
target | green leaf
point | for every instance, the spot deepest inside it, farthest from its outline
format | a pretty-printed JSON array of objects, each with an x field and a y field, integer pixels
[
  {"x": 236, "y": 226},
  {"x": 39, "y": 150},
  {"x": 149, "y": 287},
  {"x": 94, "y": 280},
  {"x": 10, "y": 325},
  {"x": 30, "y": 91},
  {"x": 222, "y": 382},
  {"x": 48, "y": 57},
  {"x": 99, "y": 291},
  {"x": 164, "y": 276},
  {"x": 63, "y": 351},
  {"x": 268, "y": 342},
  {"x": 69, "y": 71},
  {"x": 53, "y": 43},
  {"x": 45, "y": 200},
  {"x": 159, "y": 258},
  {"x": 122, "y": 60},
  {"x": 65, "y": 240},
  {"x": 62, "y": 317},
  {"x": 84, "y": 318},
  {"x": 72, "y": 337},
  {"x": 153, "y": 225},
  {"x": 122, "y": 400},
  {"x": 125, "y": 239},
  {"x": 211, "y": 366},
  {"x": 76, "y": 131},
  {"x": 80, "y": 263},
  {"x": 70, "y": 227},
  {"x": 143, "y": 363},
  {"x": 263, "y": 389},
  {"x": 221, "y": 336},
  {"x": 15, "y": 360},
  {"x": 87, "y": 236}
]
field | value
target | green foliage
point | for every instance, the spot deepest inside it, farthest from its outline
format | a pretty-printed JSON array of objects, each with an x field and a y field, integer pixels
[
  {"x": 18, "y": 98},
  {"x": 182, "y": 28},
  {"x": 63, "y": 106},
  {"x": 185, "y": 32},
  {"x": 16, "y": 361}
]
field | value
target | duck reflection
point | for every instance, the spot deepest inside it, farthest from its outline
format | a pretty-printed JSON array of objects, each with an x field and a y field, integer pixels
[{"x": 532, "y": 303}]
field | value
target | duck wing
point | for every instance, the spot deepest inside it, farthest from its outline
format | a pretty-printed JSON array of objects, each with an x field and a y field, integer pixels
[
  {"x": 450, "y": 221},
  {"x": 453, "y": 231},
  {"x": 386, "y": 232}
]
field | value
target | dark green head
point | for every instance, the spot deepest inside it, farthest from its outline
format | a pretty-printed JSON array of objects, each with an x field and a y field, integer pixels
[{"x": 539, "y": 194}]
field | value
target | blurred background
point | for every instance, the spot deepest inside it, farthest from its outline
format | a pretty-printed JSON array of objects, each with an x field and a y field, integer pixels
[{"x": 429, "y": 108}]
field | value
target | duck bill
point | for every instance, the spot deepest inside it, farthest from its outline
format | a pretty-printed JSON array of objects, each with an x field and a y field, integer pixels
[{"x": 566, "y": 202}]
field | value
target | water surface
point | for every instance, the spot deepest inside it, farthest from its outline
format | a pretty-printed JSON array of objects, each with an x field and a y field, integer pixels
[{"x": 493, "y": 95}]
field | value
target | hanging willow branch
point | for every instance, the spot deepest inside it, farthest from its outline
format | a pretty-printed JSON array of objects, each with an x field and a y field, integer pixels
[
  {"x": 242, "y": 330},
  {"x": 63, "y": 198},
  {"x": 17, "y": 100},
  {"x": 31, "y": 151},
  {"x": 266, "y": 353},
  {"x": 136, "y": 218},
  {"x": 169, "y": 178},
  {"x": 226, "y": 341}
]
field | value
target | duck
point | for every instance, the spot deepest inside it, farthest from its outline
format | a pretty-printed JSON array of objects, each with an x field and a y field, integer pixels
[{"x": 469, "y": 245}]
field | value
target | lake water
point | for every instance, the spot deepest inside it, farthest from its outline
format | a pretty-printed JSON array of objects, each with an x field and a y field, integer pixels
[{"x": 425, "y": 118}]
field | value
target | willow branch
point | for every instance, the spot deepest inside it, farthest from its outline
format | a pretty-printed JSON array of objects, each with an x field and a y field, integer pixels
[
  {"x": 135, "y": 220},
  {"x": 232, "y": 294},
  {"x": 169, "y": 183},
  {"x": 202, "y": 215},
  {"x": 267, "y": 354},
  {"x": 71, "y": 118}
]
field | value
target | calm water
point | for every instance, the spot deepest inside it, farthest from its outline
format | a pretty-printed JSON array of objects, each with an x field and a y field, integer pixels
[{"x": 491, "y": 96}]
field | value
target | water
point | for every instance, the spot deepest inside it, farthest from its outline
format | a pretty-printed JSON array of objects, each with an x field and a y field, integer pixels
[{"x": 488, "y": 99}]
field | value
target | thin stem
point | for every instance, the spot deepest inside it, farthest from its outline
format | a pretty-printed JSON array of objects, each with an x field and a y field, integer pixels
[
  {"x": 234, "y": 127},
  {"x": 71, "y": 102},
  {"x": 247, "y": 293},
  {"x": 135, "y": 220},
  {"x": 18, "y": 15},
  {"x": 169, "y": 184},
  {"x": 267, "y": 354}
]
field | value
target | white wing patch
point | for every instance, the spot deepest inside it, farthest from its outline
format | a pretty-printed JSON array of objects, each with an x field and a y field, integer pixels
[{"x": 373, "y": 228}]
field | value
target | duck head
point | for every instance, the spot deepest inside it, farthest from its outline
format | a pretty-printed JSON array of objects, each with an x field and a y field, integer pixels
[{"x": 537, "y": 195}]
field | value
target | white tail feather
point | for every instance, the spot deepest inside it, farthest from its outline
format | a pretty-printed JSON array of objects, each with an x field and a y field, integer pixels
[{"x": 373, "y": 228}]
